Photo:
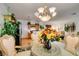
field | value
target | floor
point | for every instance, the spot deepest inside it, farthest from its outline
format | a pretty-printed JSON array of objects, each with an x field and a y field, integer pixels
[{"x": 26, "y": 42}]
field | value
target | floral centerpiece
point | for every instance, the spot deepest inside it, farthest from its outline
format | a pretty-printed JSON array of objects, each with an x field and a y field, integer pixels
[{"x": 48, "y": 35}]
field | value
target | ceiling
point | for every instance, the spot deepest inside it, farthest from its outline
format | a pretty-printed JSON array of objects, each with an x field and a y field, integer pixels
[{"x": 23, "y": 10}]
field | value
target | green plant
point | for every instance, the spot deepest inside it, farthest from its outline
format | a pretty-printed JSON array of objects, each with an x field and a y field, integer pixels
[
  {"x": 10, "y": 28},
  {"x": 41, "y": 27}
]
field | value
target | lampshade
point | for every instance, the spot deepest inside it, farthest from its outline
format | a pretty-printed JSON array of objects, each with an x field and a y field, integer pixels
[
  {"x": 41, "y": 10},
  {"x": 52, "y": 9},
  {"x": 36, "y": 14},
  {"x": 54, "y": 14}
]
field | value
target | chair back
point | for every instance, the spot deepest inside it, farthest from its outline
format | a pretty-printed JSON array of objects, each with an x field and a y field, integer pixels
[
  {"x": 8, "y": 45},
  {"x": 71, "y": 43}
]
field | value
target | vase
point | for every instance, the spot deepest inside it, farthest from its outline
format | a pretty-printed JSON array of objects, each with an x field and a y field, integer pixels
[{"x": 47, "y": 44}]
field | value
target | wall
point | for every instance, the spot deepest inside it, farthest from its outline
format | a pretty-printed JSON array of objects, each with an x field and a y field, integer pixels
[
  {"x": 23, "y": 27},
  {"x": 64, "y": 20},
  {"x": 3, "y": 10},
  {"x": 57, "y": 22}
]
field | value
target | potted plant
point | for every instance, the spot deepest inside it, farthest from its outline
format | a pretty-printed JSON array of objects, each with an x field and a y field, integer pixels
[{"x": 11, "y": 28}]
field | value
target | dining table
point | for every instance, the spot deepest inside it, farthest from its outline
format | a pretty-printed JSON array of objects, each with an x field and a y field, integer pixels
[{"x": 57, "y": 49}]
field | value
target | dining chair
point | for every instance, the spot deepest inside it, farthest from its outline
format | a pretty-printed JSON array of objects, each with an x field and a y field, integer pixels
[
  {"x": 71, "y": 43},
  {"x": 7, "y": 45}
]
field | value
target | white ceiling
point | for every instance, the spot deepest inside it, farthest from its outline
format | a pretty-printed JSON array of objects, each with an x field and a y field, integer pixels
[{"x": 23, "y": 10}]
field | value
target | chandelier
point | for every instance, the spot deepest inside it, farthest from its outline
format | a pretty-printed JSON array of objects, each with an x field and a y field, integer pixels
[{"x": 45, "y": 13}]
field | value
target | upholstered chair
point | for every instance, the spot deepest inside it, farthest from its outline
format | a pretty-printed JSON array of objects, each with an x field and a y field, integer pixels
[
  {"x": 71, "y": 42},
  {"x": 35, "y": 36},
  {"x": 7, "y": 45}
]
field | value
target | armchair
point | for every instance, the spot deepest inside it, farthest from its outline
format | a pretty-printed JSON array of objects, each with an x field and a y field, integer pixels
[
  {"x": 71, "y": 43},
  {"x": 7, "y": 45}
]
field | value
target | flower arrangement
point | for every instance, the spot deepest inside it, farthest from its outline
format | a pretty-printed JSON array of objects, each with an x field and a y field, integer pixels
[{"x": 49, "y": 34}]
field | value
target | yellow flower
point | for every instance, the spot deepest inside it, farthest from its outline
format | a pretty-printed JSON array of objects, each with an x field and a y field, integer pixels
[
  {"x": 39, "y": 34},
  {"x": 49, "y": 36},
  {"x": 60, "y": 39},
  {"x": 52, "y": 35}
]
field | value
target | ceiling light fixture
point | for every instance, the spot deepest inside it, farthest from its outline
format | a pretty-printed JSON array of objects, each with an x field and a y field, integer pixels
[{"x": 45, "y": 13}]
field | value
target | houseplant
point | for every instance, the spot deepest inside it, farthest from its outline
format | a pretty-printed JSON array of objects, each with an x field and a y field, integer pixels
[{"x": 11, "y": 28}]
